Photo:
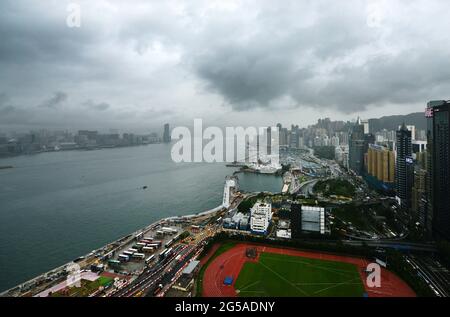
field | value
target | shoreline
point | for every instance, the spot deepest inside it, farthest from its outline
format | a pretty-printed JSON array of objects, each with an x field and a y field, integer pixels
[
  {"x": 117, "y": 241},
  {"x": 77, "y": 149}
]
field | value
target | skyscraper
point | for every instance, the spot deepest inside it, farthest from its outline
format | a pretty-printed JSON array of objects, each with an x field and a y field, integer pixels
[
  {"x": 404, "y": 168},
  {"x": 294, "y": 137},
  {"x": 269, "y": 141},
  {"x": 438, "y": 168},
  {"x": 418, "y": 196},
  {"x": 166, "y": 136},
  {"x": 356, "y": 148}
]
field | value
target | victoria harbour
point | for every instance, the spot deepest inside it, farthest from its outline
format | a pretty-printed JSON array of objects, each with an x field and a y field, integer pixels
[{"x": 58, "y": 206}]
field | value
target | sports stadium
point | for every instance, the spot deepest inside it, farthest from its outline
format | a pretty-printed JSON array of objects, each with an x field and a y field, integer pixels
[{"x": 247, "y": 270}]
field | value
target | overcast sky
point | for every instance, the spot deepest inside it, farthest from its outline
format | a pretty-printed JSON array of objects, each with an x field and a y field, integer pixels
[{"x": 134, "y": 65}]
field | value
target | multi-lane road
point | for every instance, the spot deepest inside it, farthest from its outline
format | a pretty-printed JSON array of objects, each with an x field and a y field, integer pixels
[
  {"x": 160, "y": 273},
  {"x": 432, "y": 272}
]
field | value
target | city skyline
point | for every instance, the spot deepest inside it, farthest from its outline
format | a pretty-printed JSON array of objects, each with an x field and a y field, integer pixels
[{"x": 160, "y": 128}]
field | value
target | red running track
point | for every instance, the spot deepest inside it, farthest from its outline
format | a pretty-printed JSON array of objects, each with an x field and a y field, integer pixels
[{"x": 231, "y": 262}]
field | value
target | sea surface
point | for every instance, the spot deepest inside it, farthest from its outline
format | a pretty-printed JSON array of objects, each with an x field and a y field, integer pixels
[{"x": 55, "y": 207}]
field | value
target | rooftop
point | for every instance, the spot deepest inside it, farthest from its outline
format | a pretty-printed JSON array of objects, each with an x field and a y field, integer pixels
[{"x": 191, "y": 267}]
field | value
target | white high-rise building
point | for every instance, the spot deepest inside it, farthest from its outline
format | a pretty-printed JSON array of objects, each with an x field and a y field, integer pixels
[
  {"x": 365, "y": 123},
  {"x": 261, "y": 215}
]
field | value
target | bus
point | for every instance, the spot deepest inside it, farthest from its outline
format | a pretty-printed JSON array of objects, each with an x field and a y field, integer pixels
[
  {"x": 169, "y": 230},
  {"x": 148, "y": 249},
  {"x": 165, "y": 254},
  {"x": 124, "y": 258},
  {"x": 139, "y": 235},
  {"x": 162, "y": 255},
  {"x": 128, "y": 253},
  {"x": 113, "y": 262},
  {"x": 169, "y": 243},
  {"x": 169, "y": 252},
  {"x": 150, "y": 259},
  {"x": 140, "y": 256}
]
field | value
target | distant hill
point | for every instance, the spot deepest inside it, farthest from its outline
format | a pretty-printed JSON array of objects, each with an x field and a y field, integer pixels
[{"x": 393, "y": 122}]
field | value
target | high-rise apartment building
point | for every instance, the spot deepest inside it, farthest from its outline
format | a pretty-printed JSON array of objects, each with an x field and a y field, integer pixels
[
  {"x": 261, "y": 215},
  {"x": 381, "y": 163}
]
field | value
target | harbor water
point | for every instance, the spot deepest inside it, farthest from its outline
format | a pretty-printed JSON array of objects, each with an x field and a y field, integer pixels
[{"x": 55, "y": 207}]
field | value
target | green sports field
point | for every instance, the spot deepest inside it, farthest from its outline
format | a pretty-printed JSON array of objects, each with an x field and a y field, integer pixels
[{"x": 284, "y": 275}]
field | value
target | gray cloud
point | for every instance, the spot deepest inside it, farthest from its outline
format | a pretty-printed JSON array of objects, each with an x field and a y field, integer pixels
[
  {"x": 175, "y": 60},
  {"x": 6, "y": 110},
  {"x": 3, "y": 99},
  {"x": 5, "y": 107},
  {"x": 337, "y": 61},
  {"x": 54, "y": 102}
]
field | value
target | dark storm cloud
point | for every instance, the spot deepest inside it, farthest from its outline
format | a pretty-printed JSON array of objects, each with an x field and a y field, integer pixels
[
  {"x": 157, "y": 60},
  {"x": 314, "y": 66},
  {"x": 54, "y": 102}
]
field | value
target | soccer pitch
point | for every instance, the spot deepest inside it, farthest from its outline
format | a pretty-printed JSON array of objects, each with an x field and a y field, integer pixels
[{"x": 285, "y": 276}]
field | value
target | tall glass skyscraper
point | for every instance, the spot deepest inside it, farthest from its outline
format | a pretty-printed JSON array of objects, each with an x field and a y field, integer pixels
[
  {"x": 438, "y": 168},
  {"x": 356, "y": 148},
  {"x": 404, "y": 170}
]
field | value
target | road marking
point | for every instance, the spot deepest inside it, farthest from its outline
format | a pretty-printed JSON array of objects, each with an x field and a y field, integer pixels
[
  {"x": 281, "y": 277},
  {"x": 339, "y": 284}
]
